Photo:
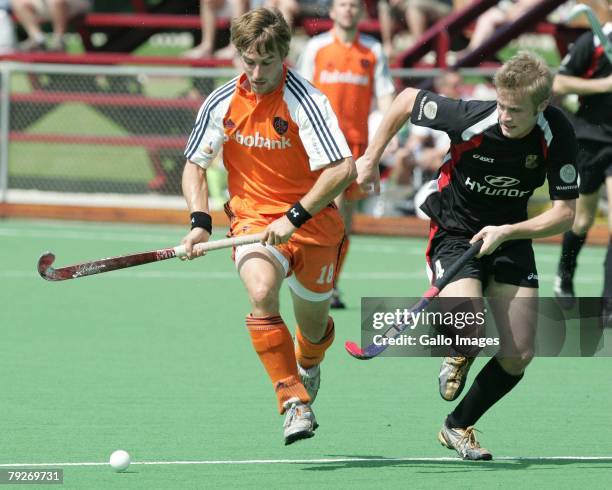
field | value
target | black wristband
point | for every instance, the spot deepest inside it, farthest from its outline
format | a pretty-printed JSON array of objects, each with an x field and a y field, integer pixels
[
  {"x": 200, "y": 219},
  {"x": 298, "y": 215}
]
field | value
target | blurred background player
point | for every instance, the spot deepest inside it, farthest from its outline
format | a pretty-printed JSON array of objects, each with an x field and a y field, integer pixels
[
  {"x": 31, "y": 13},
  {"x": 516, "y": 142},
  {"x": 286, "y": 160},
  {"x": 351, "y": 69},
  {"x": 587, "y": 71}
]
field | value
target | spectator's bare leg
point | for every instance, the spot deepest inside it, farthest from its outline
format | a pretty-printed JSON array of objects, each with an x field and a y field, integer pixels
[
  {"x": 386, "y": 27},
  {"x": 59, "y": 10},
  {"x": 238, "y": 7},
  {"x": 26, "y": 15},
  {"x": 208, "y": 21},
  {"x": 59, "y": 16},
  {"x": 416, "y": 20},
  {"x": 485, "y": 27},
  {"x": 289, "y": 8}
]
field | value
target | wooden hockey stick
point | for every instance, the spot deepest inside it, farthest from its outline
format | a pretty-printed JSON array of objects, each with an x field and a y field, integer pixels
[{"x": 123, "y": 261}]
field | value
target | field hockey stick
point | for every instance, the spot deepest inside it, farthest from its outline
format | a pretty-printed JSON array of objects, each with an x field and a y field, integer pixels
[
  {"x": 595, "y": 26},
  {"x": 123, "y": 261},
  {"x": 373, "y": 350}
]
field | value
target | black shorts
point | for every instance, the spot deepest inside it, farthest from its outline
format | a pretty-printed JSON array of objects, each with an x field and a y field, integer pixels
[
  {"x": 594, "y": 161},
  {"x": 512, "y": 262}
]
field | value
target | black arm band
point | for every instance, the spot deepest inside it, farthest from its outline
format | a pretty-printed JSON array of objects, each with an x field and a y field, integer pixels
[
  {"x": 200, "y": 219},
  {"x": 298, "y": 215}
]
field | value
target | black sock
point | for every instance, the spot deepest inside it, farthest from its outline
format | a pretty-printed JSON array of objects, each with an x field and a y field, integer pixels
[
  {"x": 491, "y": 384},
  {"x": 607, "y": 291},
  {"x": 572, "y": 244}
]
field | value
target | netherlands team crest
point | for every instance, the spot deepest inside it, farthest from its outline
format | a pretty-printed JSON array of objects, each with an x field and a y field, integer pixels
[
  {"x": 365, "y": 63},
  {"x": 280, "y": 125},
  {"x": 531, "y": 161}
]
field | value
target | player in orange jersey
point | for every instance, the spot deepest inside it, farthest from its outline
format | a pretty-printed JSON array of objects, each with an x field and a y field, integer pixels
[
  {"x": 286, "y": 160},
  {"x": 351, "y": 69}
]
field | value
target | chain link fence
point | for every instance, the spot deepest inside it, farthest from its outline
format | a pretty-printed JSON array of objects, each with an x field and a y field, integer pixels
[
  {"x": 106, "y": 130},
  {"x": 109, "y": 135}
]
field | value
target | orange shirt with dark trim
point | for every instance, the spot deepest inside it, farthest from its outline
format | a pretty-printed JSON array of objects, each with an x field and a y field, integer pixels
[
  {"x": 274, "y": 148},
  {"x": 350, "y": 75}
]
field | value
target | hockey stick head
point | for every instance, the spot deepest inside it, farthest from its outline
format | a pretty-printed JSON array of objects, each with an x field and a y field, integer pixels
[
  {"x": 44, "y": 267},
  {"x": 354, "y": 350},
  {"x": 366, "y": 354}
]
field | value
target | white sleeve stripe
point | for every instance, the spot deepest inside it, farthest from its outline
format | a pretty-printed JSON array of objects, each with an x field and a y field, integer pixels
[
  {"x": 311, "y": 109},
  {"x": 481, "y": 126},
  {"x": 545, "y": 127},
  {"x": 315, "y": 124},
  {"x": 200, "y": 126},
  {"x": 214, "y": 93},
  {"x": 197, "y": 134},
  {"x": 316, "y": 118}
]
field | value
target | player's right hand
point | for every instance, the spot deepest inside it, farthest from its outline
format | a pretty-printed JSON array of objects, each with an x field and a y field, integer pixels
[
  {"x": 197, "y": 235},
  {"x": 368, "y": 175},
  {"x": 492, "y": 237}
]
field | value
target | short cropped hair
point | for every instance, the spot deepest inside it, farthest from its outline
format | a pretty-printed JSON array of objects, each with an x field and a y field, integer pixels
[
  {"x": 528, "y": 73},
  {"x": 264, "y": 29}
]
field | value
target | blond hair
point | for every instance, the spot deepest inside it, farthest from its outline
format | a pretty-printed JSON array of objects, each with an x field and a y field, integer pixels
[
  {"x": 262, "y": 29},
  {"x": 527, "y": 73}
]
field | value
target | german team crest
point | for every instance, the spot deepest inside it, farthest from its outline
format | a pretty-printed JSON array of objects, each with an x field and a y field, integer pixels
[
  {"x": 280, "y": 125},
  {"x": 531, "y": 161}
]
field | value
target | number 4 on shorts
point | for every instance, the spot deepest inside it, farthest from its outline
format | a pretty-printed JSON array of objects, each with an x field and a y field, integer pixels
[{"x": 439, "y": 269}]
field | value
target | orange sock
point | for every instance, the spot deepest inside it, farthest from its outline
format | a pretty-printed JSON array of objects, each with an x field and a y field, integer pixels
[
  {"x": 274, "y": 346},
  {"x": 309, "y": 354},
  {"x": 344, "y": 246}
]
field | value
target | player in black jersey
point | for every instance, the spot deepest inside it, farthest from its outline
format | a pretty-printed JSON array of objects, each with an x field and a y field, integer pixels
[
  {"x": 500, "y": 152},
  {"x": 587, "y": 72}
]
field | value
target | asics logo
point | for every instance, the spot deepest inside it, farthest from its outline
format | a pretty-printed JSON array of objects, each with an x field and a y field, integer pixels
[
  {"x": 501, "y": 181},
  {"x": 482, "y": 158},
  {"x": 258, "y": 141}
]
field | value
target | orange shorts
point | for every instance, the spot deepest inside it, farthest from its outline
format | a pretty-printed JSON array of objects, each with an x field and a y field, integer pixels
[{"x": 309, "y": 258}]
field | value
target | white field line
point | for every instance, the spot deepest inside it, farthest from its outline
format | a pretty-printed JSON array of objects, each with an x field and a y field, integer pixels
[
  {"x": 223, "y": 275},
  {"x": 168, "y": 239},
  {"x": 89, "y": 236},
  {"x": 218, "y": 275},
  {"x": 535, "y": 459}
]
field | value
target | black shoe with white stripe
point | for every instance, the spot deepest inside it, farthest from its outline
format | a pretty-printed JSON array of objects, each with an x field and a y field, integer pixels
[{"x": 563, "y": 289}]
